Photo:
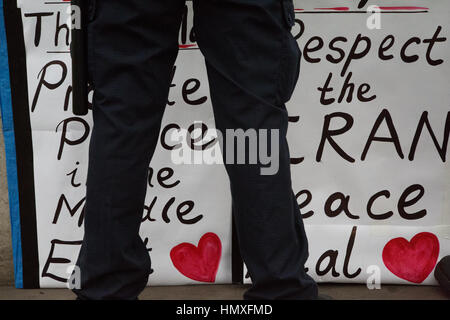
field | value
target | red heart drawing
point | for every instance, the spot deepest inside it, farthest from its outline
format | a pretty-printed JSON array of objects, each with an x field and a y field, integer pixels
[
  {"x": 198, "y": 263},
  {"x": 414, "y": 260}
]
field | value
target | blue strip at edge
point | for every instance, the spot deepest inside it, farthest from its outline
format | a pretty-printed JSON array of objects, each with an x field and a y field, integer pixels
[{"x": 10, "y": 151}]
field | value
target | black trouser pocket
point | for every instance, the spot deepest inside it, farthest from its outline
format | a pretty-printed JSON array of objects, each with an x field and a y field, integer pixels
[
  {"x": 290, "y": 55},
  {"x": 290, "y": 68}
]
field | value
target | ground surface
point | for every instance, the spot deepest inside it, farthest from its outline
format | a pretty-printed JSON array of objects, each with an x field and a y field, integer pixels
[{"x": 234, "y": 292}]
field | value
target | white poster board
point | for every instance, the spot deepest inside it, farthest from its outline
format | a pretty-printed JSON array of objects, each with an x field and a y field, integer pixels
[{"x": 367, "y": 170}]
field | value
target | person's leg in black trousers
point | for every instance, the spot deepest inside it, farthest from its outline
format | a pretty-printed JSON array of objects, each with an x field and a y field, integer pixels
[
  {"x": 132, "y": 46},
  {"x": 251, "y": 60},
  {"x": 253, "y": 63}
]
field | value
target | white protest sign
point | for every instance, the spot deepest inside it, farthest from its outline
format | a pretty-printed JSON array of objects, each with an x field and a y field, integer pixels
[{"x": 368, "y": 137}]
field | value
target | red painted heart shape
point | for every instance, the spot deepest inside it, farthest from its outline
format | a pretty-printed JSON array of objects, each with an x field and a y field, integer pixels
[
  {"x": 198, "y": 263},
  {"x": 414, "y": 260}
]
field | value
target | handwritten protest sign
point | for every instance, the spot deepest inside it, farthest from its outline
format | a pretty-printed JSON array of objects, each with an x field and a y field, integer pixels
[{"x": 369, "y": 129}]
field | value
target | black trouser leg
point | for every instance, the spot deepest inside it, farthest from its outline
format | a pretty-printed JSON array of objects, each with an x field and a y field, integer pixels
[
  {"x": 251, "y": 60},
  {"x": 132, "y": 48}
]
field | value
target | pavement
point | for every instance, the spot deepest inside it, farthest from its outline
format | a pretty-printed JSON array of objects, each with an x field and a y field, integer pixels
[{"x": 234, "y": 292}]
